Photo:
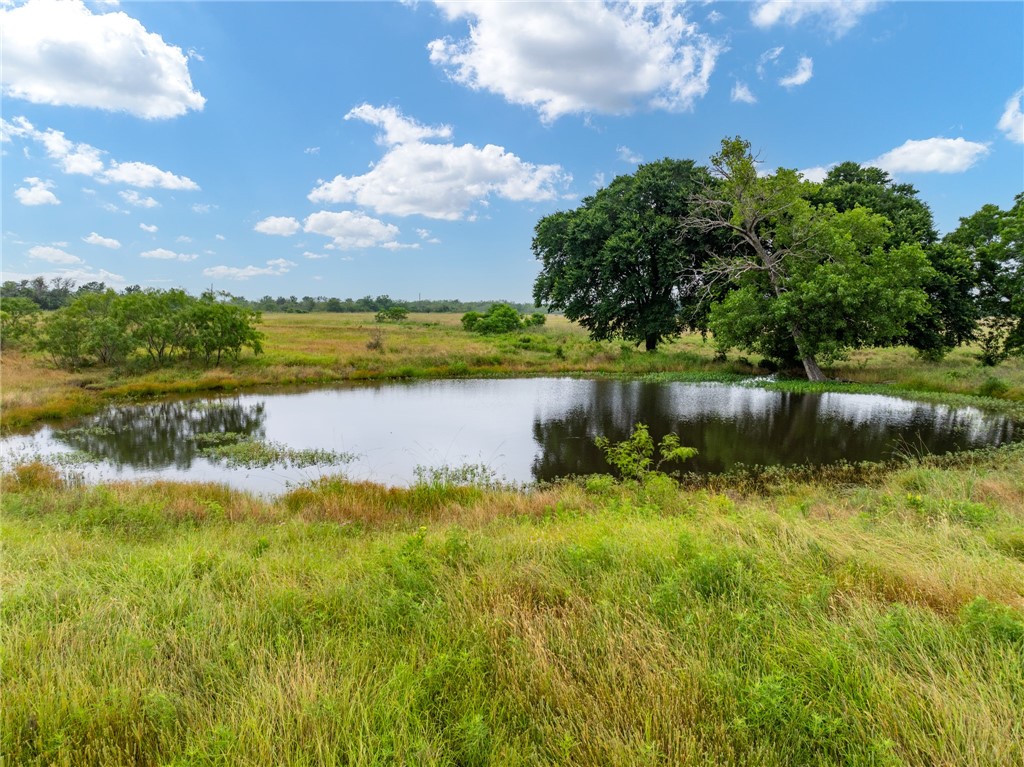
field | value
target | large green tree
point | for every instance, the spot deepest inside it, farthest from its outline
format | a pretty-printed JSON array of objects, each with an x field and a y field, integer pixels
[
  {"x": 950, "y": 318},
  {"x": 809, "y": 281},
  {"x": 622, "y": 264},
  {"x": 993, "y": 240}
]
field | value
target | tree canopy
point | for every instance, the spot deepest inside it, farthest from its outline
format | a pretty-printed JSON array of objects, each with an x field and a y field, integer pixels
[
  {"x": 807, "y": 281},
  {"x": 617, "y": 263}
]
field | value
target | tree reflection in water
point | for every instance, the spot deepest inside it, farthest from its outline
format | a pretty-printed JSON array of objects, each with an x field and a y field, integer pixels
[
  {"x": 733, "y": 425},
  {"x": 163, "y": 434}
]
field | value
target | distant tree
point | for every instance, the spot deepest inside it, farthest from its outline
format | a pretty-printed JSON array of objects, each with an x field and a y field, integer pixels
[
  {"x": 993, "y": 240},
  {"x": 221, "y": 329},
  {"x": 808, "y": 282},
  {"x": 619, "y": 263}
]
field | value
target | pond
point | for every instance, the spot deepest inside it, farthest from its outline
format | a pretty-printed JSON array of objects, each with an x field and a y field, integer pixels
[{"x": 522, "y": 429}]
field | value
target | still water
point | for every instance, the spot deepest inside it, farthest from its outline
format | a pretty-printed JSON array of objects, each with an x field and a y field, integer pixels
[{"x": 523, "y": 429}]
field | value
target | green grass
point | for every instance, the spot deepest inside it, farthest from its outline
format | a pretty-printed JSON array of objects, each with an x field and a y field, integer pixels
[{"x": 585, "y": 624}]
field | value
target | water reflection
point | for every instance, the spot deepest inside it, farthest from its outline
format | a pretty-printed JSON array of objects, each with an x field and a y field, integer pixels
[
  {"x": 731, "y": 425},
  {"x": 524, "y": 429},
  {"x": 163, "y": 434}
]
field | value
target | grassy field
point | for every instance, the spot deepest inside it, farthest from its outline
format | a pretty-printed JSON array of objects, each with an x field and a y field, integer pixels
[{"x": 865, "y": 618}]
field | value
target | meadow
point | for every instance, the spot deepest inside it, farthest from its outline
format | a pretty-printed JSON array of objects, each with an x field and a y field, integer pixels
[{"x": 867, "y": 616}]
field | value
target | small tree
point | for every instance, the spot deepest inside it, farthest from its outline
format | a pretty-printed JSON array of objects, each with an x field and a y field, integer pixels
[{"x": 18, "y": 319}]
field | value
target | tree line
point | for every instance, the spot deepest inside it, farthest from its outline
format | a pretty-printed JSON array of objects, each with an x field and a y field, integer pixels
[
  {"x": 770, "y": 263},
  {"x": 60, "y": 291},
  {"x": 156, "y": 327}
]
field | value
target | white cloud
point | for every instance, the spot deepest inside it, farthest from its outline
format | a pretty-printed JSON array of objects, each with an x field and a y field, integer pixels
[
  {"x": 220, "y": 237},
  {"x": 740, "y": 92},
  {"x": 52, "y": 255},
  {"x": 351, "y": 229},
  {"x": 628, "y": 155},
  {"x": 770, "y": 56},
  {"x": 933, "y": 155},
  {"x": 310, "y": 254},
  {"x": 148, "y": 227},
  {"x": 397, "y": 128},
  {"x": 1012, "y": 121},
  {"x": 164, "y": 254},
  {"x": 80, "y": 275},
  {"x": 311, "y": 150},
  {"x": 284, "y": 226},
  {"x": 183, "y": 238},
  {"x": 803, "y": 72},
  {"x": 816, "y": 174},
  {"x": 441, "y": 180},
  {"x": 106, "y": 242},
  {"x": 59, "y": 52},
  {"x": 565, "y": 58},
  {"x": 273, "y": 268},
  {"x": 36, "y": 193},
  {"x": 840, "y": 16},
  {"x": 85, "y": 159},
  {"x": 426, "y": 236},
  {"x": 134, "y": 198},
  {"x": 202, "y": 207},
  {"x": 145, "y": 176}
]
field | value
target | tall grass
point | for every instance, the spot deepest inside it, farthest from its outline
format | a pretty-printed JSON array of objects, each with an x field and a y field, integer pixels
[{"x": 581, "y": 624}]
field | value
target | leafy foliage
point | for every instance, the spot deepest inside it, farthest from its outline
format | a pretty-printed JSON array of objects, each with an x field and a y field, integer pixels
[
  {"x": 633, "y": 457},
  {"x": 107, "y": 328},
  {"x": 18, "y": 318},
  {"x": 807, "y": 281},
  {"x": 993, "y": 240},
  {"x": 618, "y": 263},
  {"x": 500, "y": 318}
]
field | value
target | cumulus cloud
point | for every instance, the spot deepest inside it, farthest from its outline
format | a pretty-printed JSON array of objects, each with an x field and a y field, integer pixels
[
  {"x": 351, "y": 229},
  {"x": 426, "y": 236},
  {"x": 36, "y": 193},
  {"x": 741, "y": 93},
  {"x": 134, "y": 198},
  {"x": 565, "y": 58},
  {"x": 164, "y": 254},
  {"x": 59, "y": 52},
  {"x": 146, "y": 176},
  {"x": 52, "y": 255},
  {"x": 80, "y": 275},
  {"x": 274, "y": 267},
  {"x": 284, "y": 226},
  {"x": 148, "y": 227},
  {"x": 803, "y": 72},
  {"x": 440, "y": 180},
  {"x": 840, "y": 16},
  {"x": 1012, "y": 121},
  {"x": 310, "y": 254},
  {"x": 105, "y": 242},
  {"x": 932, "y": 155},
  {"x": 816, "y": 174},
  {"x": 396, "y": 128},
  {"x": 202, "y": 207},
  {"x": 75, "y": 157}
]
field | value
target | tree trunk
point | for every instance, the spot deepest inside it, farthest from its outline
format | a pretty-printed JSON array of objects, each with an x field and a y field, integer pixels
[
  {"x": 811, "y": 368},
  {"x": 810, "y": 364},
  {"x": 651, "y": 341}
]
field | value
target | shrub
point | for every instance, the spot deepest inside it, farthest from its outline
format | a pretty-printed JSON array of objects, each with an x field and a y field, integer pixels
[
  {"x": 500, "y": 318},
  {"x": 18, "y": 317},
  {"x": 392, "y": 314}
]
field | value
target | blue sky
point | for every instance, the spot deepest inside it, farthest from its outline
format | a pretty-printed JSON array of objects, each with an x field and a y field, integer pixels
[{"x": 345, "y": 149}]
